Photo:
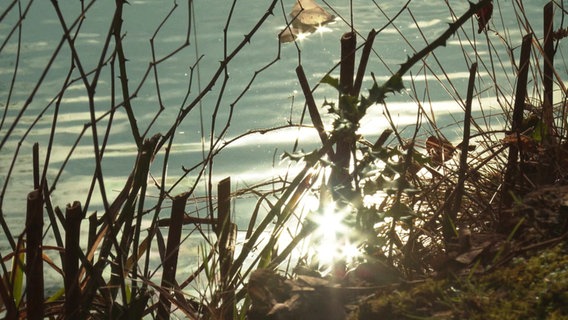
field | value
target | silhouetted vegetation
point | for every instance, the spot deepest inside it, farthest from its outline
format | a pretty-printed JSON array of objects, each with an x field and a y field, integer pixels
[{"x": 416, "y": 224}]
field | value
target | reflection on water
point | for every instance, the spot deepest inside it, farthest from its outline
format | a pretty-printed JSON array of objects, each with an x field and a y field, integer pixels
[{"x": 260, "y": 88}]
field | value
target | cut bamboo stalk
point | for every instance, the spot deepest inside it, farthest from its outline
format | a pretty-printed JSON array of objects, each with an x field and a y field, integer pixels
[
  {"x": 347, "y": 66},
  {"x": 511, "y": 171},
  {"x": 340, "y": 181},
  {"x": 34, "y": 260},
  {"x": 522, "y": 79},
  {"x": 224, "y": 205},
  {"x": 363, "y": 63},
  {"x": 548, "y": 70},
  {"x": 451, "y": 215},
  {"x": 92, "y": 231},
  {"x": 312, "y": 108},
  {"x": 73, "y": 217},
  {"x": 35, "y": 152},
  {"x": 546, "y": 173},
  {"x": 227, "y": 238},
  {"x": 169, "y": 264},
  {"x": 466, "y": 135}
]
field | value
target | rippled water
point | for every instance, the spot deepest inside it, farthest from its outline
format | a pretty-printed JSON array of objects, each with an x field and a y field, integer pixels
[{"x": 264, "y": 70}]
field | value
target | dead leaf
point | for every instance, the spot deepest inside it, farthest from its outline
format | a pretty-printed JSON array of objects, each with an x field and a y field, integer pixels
[
  {"x": 483, "y": 16},
  {"x": 440, "y": 151}
]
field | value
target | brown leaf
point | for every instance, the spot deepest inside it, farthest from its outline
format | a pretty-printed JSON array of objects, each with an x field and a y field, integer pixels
[
  {"x": 483, "y": 16},
  {"x": 440, "y": 151},
  {"x": 522, "y": 141},
  {"x": 468, "y": 257}
]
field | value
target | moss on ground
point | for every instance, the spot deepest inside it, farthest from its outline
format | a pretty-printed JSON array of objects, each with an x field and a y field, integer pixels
[{"x": 533, "y": 287}]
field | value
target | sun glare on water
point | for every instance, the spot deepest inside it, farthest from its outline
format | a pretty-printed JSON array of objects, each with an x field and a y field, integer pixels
[
  {"x": 331, "y": 240},
  {"x": 322, "y": 29},
  {"x": 301, "y": 36}
]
